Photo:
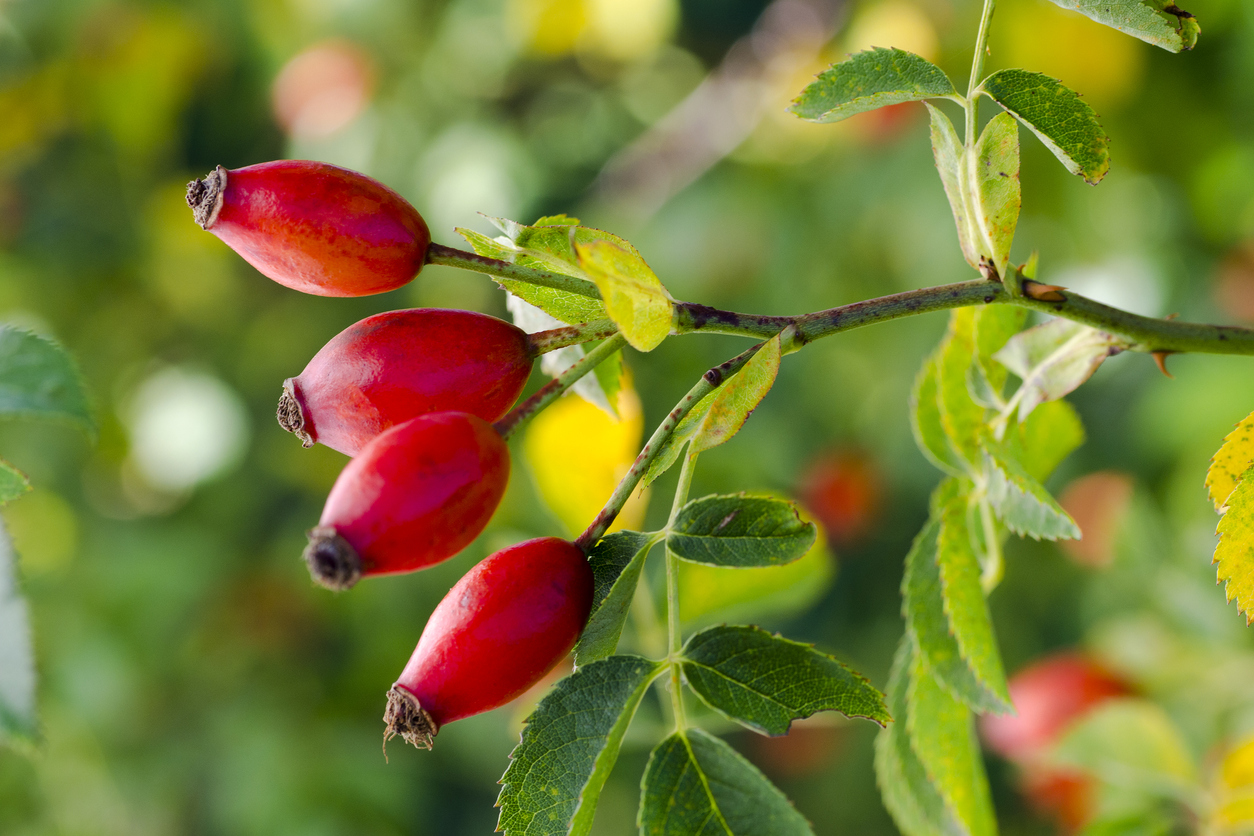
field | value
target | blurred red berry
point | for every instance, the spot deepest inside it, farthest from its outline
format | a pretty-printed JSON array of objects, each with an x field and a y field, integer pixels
[
  {"x": 842, "y": 490},
  {"x": 1097, "y": 502}
]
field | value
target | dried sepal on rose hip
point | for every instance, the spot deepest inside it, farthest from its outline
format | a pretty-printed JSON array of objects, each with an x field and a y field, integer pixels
[
  {"x": 398, "y": 365},
  {"x": 314, "y": 227},
  {"x": 497, "y": 632},
  {"x": 416, "y": 495}
]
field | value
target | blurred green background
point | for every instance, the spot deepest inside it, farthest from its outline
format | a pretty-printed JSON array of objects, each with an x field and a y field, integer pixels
[{"x": 193, "y": 681}]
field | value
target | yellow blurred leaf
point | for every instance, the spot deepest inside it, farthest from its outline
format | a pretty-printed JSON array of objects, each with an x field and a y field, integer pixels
[
  {"x": 1233, "y": 459},
  {"x": 548, "y": 27},
  {"x": 1235, "y": 791},
  {"x": 634, "y": 298},
  {"x": 1235, "y": 553},
  {"x": 577, "y": 454}
]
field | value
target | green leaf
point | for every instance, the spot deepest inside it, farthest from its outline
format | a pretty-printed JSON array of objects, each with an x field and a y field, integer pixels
[
  {"x": 634, "y": 298},
  {"x": 869, "y": 80},
  {"x": 739, "y": 530},
  {"x": 962, "y": 596},
  {"x": 1047, "y": 437},
  {"x": 1234, "y": 457},
  {"x": 569, "y": 746},
  {"x": 996, "y": 187},
  {"x": 1235, "y": 552},
  {"x": 962, "y": 418},
  {"x": 570, "y": 308},
  {"x": 38, "y": 379},
  {"x": 697, "y": 785},
  {"x": 994, "y": 326},
  {"x": 928, "y": 614},
  {"x": 950, "y": 157},
  {"x": 1056, "y": 114},
  {"x": 925, "y": 420},
  {"x": 721, "y": 413},
  {"x": 17, "y": 658},
  {"x": 720, "y": 593},
  {"x": 909, "y": 795},
  {"x": 765, "y": 682},
  {"x": 1053, "y": 359},
  {"x": 1172, "y": 31},
  {"x": 13, "y": 482},
  {"x": 943, "y": 737},
  {"x": 1129, "y": 742},
  {"x": 1021, "y": 502},
  {"x": 616, "y": 561}
]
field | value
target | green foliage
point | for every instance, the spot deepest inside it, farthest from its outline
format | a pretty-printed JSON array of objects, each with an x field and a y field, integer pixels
[
  {"x": 39, "y": 380},
  {"x": 17, "y": 658},
  {"x": 765, "y": 681},
  {"x": 1058, "y": 116},
  {"x": 569, "y": 746},
  {"x": 1173, "y": 31},
  {"x": 13, "y": 482},
  {"x": 1020, "y": 501},
  {"x": 697, "y": 785},
  {"x": 1048, "y": 436},
  {"x": 739, "y": 530},
  {"x": 950, "y": 157},
  {"x": 995, "y": 187},
  {"x": 720, "y": 414},
  {"x": 925, "y": 420},
  {"x": 616, "y": 562},
  {"x": 1053, "y": 359},
  {"x": 870, "y": 80},
  {"x": 634, "y": 298}
]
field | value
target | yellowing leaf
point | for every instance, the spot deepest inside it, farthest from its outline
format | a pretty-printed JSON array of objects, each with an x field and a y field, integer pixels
[
  {"x": 1233, "y": 458},
  {"x": 634, "y": 298},
  {"x": 577, "y": 454},
  {"x": 735, "y": 401},
  {"x": 1235, "y": 790},
  {"x": 1235, "y": 553}
]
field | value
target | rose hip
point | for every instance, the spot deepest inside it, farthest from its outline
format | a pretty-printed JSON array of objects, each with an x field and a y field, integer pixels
[
  {"x": 314, "y": 227},
  {"x": 395, "y": 366},
  {"x": 416, "y": 495},
  {"x": 497, "y": 632}
]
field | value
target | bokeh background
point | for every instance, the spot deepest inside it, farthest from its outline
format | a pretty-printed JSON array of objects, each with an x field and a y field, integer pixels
[{"x": 193, "y": 681}]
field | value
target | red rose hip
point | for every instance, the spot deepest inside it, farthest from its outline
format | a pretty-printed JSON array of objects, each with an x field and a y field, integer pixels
[
  {"x": 497, "y": 632},
  {"x": 394, "y": 366},
  {"x": 416, "y": 495},
  {"x": 314, "y": 227}
]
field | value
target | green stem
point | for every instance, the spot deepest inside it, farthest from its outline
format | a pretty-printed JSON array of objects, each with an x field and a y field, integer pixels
[
  {"x": 977, "y": 61},
  {"x": 1144, "y": 333},
  {"x": 554, "y": 389},
  {"x": 708, "y": 383},
  {"x": 542, "y": 342},
  {"x": 672, "y": 594},
  {"x": 451, "y": 257}
]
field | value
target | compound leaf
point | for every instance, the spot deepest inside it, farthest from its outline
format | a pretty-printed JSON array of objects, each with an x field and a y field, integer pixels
[
  {"x": 869, "y": 80},
  {"x": 925, "y": 420},
  {"x": 616, "y": 561},
  {"x": 740, "y": 530},
  {"x": 764, "y": 681},
  {"x": 697, "y": 785},
  {"x": 634, "y": 298},
  {"x": 1047, "y": 437},
  {"x": 39, "y": 380},
  {"x": 910, "y": 797},
  {"x": 1166, "y": 26},
  {"x": 569, "y": 746},
  {"x": 943, "y": 737},
  {"x": 567, "y": 307},
  {"x": 996, "y": 187},
  {"x": 1235, "y": 552},
  {"x": 1055, "y": 358},
  {"x": 1235, "y": 456},
  {"x": 930, "y": 618},
  {"x": 962, "y": 418},
  {"x": 1021, "y": 502},
  {"x": 17, "y": 658},
  {"x": 1057, "y": 115}
]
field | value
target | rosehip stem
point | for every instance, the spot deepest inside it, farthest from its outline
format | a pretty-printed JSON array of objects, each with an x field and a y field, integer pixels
[
  {"x": 452, "y": 257},
  {"x": 554, "y": 389},
  {"x": 543, "y": 342},
  {"x": 709, "y": 381}
]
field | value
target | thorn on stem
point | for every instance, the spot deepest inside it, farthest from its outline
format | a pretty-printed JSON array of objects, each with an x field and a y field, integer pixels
[
  {"x": 1160, "y": 358},
  {"x": 1043, "y": 292}
]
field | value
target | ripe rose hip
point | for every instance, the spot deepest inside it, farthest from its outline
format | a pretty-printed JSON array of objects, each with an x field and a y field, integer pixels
[
  {"x": 314, "y": 227},
  {"x": 497, "y": 632},
  {"x": 416, "y": 495},
  {"x": 394, "y": 366},
  {"x": 1050, "y": 696}
]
